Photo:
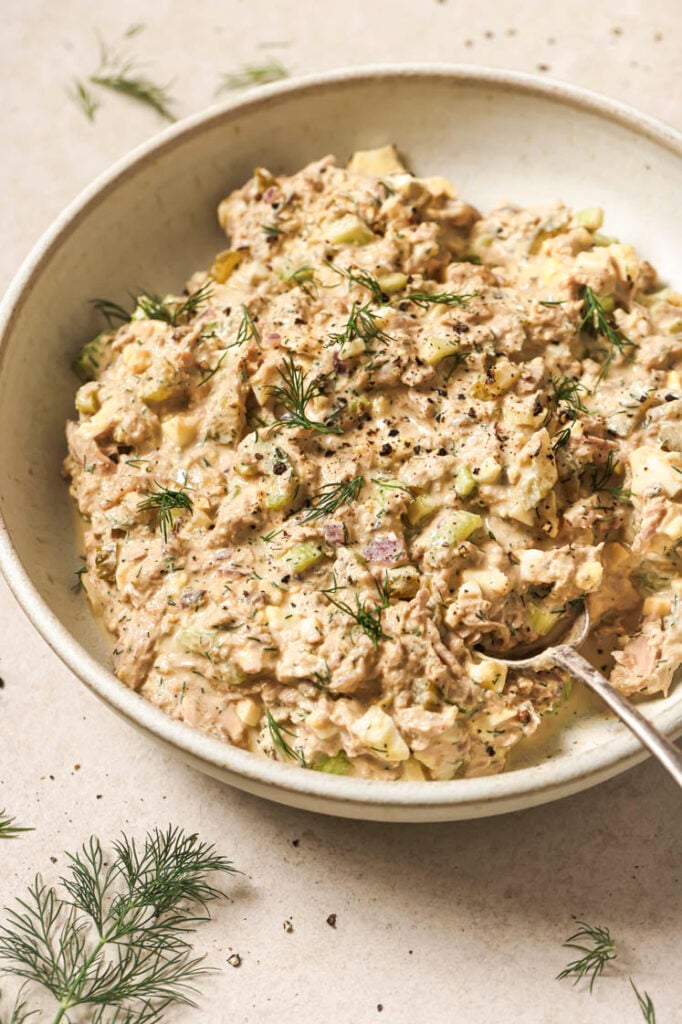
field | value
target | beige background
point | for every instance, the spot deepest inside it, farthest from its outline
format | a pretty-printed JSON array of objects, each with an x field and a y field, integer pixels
[{"x": 446, "y": 923}]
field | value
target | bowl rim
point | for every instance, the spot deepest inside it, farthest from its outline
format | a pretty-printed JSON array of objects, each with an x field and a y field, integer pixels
[{"x": 281, "y": 782}]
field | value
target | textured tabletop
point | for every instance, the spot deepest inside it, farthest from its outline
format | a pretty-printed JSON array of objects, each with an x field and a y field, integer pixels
[{"x": 443, "y": 923}]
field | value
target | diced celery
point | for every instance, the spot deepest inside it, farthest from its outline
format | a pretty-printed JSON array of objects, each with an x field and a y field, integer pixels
[
  {"x": 224, "y": 264},
  {"x": 303, "y": 556},
  {"x": 281, "y": 492},
  {"x": 465, "y": 482},
  {"x": 604, "y": 239},
  {"x": 540, "y": 619},
  {"x": 457, "y": 527},
  {"x": 392, "y": 283},
  {"x": 607, "y": 302},
  {"x": 87, "y": 399},
  {"x": 93, "y": 358},
  {"x": 349, "y": 230},
  {"x": 434, "y": 350},
  {"x": 423, "y": 506},
  {"x": 336, "y": 765},
  {"x": 591, "y": 218}
]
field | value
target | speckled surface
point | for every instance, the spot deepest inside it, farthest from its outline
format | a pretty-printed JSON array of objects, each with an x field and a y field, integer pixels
[{"x": 440, "y": 923}]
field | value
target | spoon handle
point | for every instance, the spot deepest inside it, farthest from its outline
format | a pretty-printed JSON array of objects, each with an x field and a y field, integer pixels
[{"x": 666, "y": 752}]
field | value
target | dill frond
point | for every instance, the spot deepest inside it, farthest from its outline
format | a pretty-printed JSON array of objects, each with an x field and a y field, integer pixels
[
  {"x": 596, "y": 322},
  {"x": 645, "y": 1004},
  {"x": 165, "y": 503},
  {"x": 597, "y": 947},
  {"x": 331, "y": 497},
  {"x": 247, "y": 328},
  {"x": 294, "y": 394},
  {"x": 254, "y": 74},
  {"x": 8, "y": 830},
  {"x": 363, "y": 279},
  {"x": 426, "y": 299},
  {"x": 84, "y": 99},
  {"x": 280, "y": 744},
  {"x": 366, "y": 616},
  {"x": 362, "y": 324},
  {"x": 114, "y": 940},
  {"x": 124, "y": 76},
  {"x": 111, "y": 311},
  {"x": 172, "y": 311}
]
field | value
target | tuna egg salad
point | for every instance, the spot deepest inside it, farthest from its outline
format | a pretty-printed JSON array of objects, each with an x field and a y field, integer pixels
[{"x": 381, "y": 429}]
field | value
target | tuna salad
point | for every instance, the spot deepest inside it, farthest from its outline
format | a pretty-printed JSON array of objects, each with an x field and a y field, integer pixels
[{"x": 382, "y": 430}]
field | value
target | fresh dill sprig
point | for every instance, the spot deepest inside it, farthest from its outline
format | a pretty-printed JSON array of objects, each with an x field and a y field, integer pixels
[
  {"x": 247, "y": 328},
  {"x": 331, "y": 497},
  {"x": 165, "y": 503},
  {"x": 78, "y": 585},
  {"x": 549, "y": 303},
  {"x": 114, "y": 942},
  {"x": 602, "y": 476},
  {"x": 295, "y": 395},
  {"x": 211, "y": 373},
  {"x": 84, "y": 99},
  {"x": 362, "y": 324},
  {"x": 280, "y": 744},
  {"x": 595, "y": 321},
  {"x": 8, "y": 830},
  {"x": 271, "y": 231},
  {"x": 122, "y": 75},
  {"x": 363, "y": 279},
  {"x": 645, "y": 1004},
  {"x": 426, "y": 299},
  {"x": 304, "y": 277},
  {"x": 254, "y": 74},
  {"x": 393, "y": 485},
  {"x": 366, "y": 616},
  {"x": 111, "y": 311},
  {"x": 568, "y": 391},
  {"x": 172, "y": 311},
  {"x": 595, "y": 956}
]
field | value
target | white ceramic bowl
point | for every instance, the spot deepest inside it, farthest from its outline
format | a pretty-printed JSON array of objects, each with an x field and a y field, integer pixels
[{"x": 151, "y": 220}]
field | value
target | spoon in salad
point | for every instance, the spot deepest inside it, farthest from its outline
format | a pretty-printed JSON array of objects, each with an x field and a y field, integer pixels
[{"x": 562, "y": 652}]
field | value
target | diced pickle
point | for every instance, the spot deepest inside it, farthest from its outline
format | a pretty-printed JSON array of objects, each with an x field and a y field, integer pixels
[
  {"x": 540, "y": 620},
  {"x": 465, "y": 482},
  {"x": 591, "y": 218},
  {"x": 456, "y": 528},
  {"x": 303, "y": 556},
  {"x": 224, "y": 264},
  {"x": 336, "y": 765},
  {"x": 423, "y": 506},
  {"x": 392, "y": 283},
  {"x": 349, "y": 230},
  {"x": 434, "y": 350},
  {"x": 87, "y": 399},
  {"x": 93, "y": 358},
  {"x": 105, "y": 562}
]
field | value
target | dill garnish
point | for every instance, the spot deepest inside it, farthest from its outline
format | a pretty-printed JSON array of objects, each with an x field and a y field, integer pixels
[
  {"x": 115, "y": 940},
  {"x": 602, "y": 476},
  {"x": 280, "y": 744},
  {"x": 426, "y": 299},
  {"x": 366, "y": 616},
  {"x": 304, "y": 277},
  {"x": 8, "y": 830},
  {"x": 362, "y": 278},
  {"x": 549, "y": 303},
  {"x": 211, "y": 373},
  {"x": 271, "y": 231},
  {"x": 122, "y": 75},
  {"x": 645, "y": 1004},
  {"x": 247, "y": 328},
  {"x": 165, "y": 503},
  {"x": 331, "y": 497},
  {"x": 596, "y": 955},
  {"x": 78, "y": 585},
  {"x": 568, "y": 391},
  {"x": 295, "y": 395},
  {"x": 172, "y": 311},
  {"x": 111, "y": 311},
  {"x": 83, "y": 98},
  {"x": 254, "y": 74},
  {"x": 596, "y": 323},
  {"x": 362, "y": 324}
]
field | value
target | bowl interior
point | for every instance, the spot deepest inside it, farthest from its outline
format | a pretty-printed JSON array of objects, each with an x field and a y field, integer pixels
[{"x": 153, "y": 223}]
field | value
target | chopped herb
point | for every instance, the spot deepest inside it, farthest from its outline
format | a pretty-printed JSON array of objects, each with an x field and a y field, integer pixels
[
  {"x": 366, "y": 616},
  {"x": 271, "y": 230},
  {"x": 597, "y": 947},
  {"x": 551, "y": 302},
  {"x": 568, "y": 391},
  {"x": 171, "y": 311},
  {"x": 8, "y": 830},
  {"x": 247, "y": 328},
  {"x": 596, "y": 323},
  {"x": 165, "y": 502},
  {"x": 295, "y": 395},
  {"x": 650, "y": 580},
  {"x": 602, "y": 476},
  {"x": 279, "y": 743},
  {"x": 111, "y": 311},
  {"x": 113, "y": 944},
  {"x": 84, "y": 99},
  {"x": 362, "y": 324},
  {"x": 331, "y": 497},
  {"x": 124, "y": 76},
  {"x": 426, "y": 299},
  {"x": 210, "y": 373},
  {"x": 645, "y": 1004},
  {"x": 393, "y": 485},
  {"x": 78, "y": 585},
  {"x": 254, "y": 74},
  {"x": 304, "y": 277},
  {"x": 363, "y": 279}
]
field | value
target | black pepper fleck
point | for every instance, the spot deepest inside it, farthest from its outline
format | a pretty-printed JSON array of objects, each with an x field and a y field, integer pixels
[
  {"x": 331, "y": 920},
  {"x": 386, "y": 449}
]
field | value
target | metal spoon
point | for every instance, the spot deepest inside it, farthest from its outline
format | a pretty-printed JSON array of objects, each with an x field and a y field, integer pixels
[{"x": 565, "y": 655}]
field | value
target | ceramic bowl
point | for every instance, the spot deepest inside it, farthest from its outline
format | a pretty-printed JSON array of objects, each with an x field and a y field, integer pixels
[{"x": 151, "y": 220}]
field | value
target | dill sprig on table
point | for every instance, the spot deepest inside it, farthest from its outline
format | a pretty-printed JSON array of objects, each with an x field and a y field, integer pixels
[
  {"x": 123, "y": 75},
  {"x": 366, "y": 616},
  {"x": 295, "y": 393},
  {"x": 280, "y": 744},
  {"x": 331, "y": 497},
  {"x": 597, "y": 947},
  {"x": 645, "y": 1004},
  {"x": 165, "y": 502},
  {"x": 8, "y": 830},
  {"x": 596, "y": 322},
  {"x": 84, "y": 98},
  {"x": 115, "y": 941},
  {"x": 254, "y": 74}
]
